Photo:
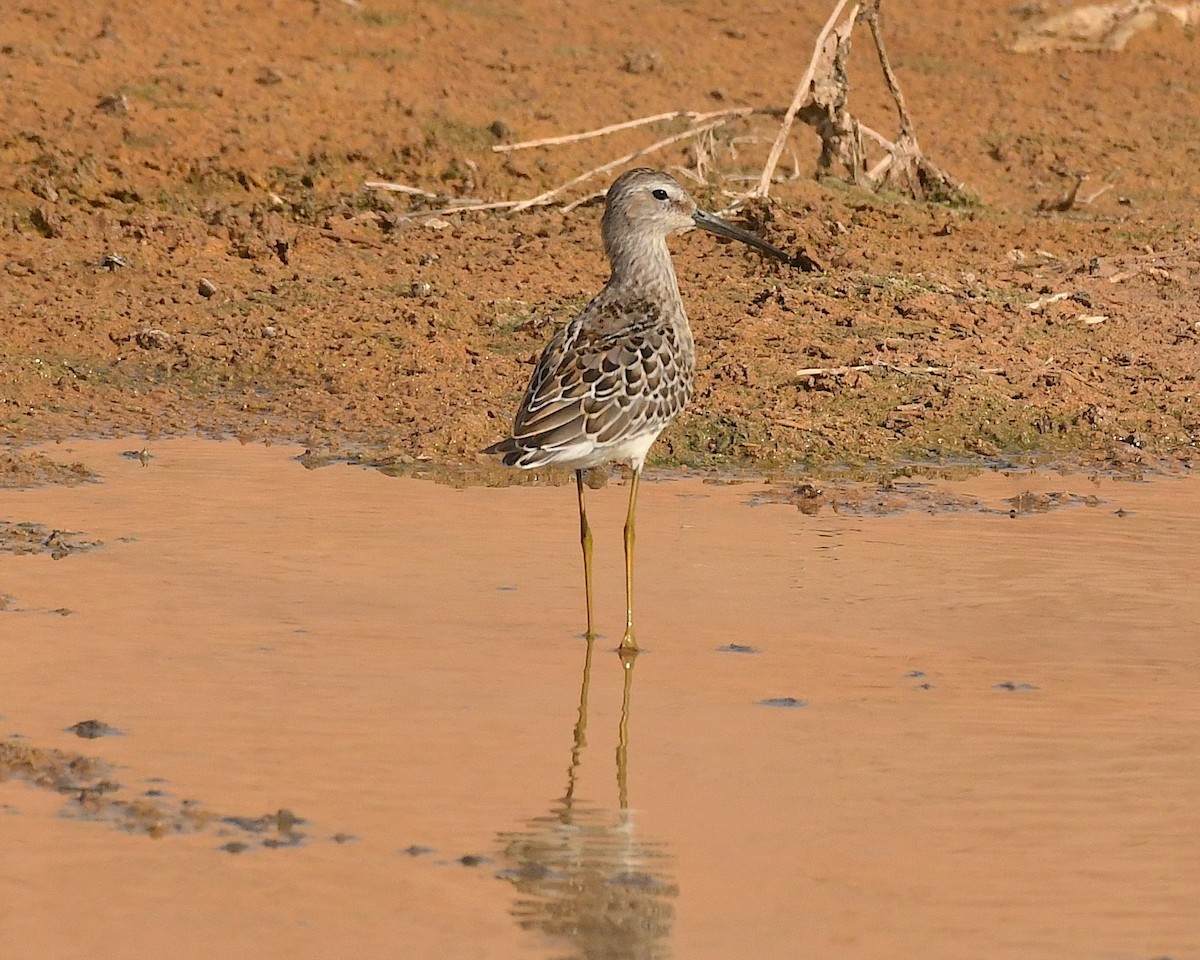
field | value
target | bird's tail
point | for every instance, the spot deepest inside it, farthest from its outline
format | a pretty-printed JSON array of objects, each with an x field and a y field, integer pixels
[{"x": 508, "y": 448}]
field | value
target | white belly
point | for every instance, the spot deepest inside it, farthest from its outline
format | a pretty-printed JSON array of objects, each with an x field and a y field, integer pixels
[{"x": 588, "y": 453}]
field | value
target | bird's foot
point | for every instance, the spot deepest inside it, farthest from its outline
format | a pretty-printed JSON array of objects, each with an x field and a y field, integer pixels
[{"x": 628, "y": 642}]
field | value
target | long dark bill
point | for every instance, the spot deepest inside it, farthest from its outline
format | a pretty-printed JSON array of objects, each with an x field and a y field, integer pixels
[{"x": 706, "y": 221}]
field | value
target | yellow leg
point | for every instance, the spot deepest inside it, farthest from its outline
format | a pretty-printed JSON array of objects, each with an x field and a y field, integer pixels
[
  {"x": 629, "y": 642},
  {"x": 585, "y": 540}
]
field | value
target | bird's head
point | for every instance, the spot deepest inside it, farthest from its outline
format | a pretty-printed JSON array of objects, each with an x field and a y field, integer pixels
[{"x": 646, "y": 205}]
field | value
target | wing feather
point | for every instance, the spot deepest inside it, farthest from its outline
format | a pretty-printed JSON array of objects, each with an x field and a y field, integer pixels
[{"x": 613, "y": 374}]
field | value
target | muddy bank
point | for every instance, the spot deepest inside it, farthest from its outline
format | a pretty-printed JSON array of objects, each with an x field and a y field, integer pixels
[{"x": 189, "y": 245}]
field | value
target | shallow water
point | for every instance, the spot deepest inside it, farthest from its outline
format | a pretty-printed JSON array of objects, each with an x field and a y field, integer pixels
[{"x": 990, "y": 747}]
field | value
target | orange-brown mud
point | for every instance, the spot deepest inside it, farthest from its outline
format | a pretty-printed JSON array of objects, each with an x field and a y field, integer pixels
[
  {"x": 935, "y": 732},
  {"x": 338, "y": 727},
  {"x": 186, "y": 242}
]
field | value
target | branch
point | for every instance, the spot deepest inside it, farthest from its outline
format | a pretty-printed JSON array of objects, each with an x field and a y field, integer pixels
[
  {"x": 400, "y": 188},
  {"x": 819, "y": 101},
  {"x": 690, "y": 115},
  {"x": 871, "y": 15},
  {"x": 544, "y": 198},
  {"x": 798, "y": 100},
  {"x": 867, "y": 367}
]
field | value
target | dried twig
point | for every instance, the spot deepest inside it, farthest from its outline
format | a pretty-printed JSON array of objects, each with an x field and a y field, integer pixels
[
  {"x": 893, "y": 368},
  {"x": 464, "y": 208},
  {"x": 549, "y": 196},
  {"x": 579, "y": 202},
  {"x": 690, "y": 115},
  {"x": 907, "y": 165},
  {"x": 803, "y": 95},
  {"x": 871, "y": 15},
  {"x": 401, "y": 188},
  {"x": 1067, "y": 200},
  {"x": 543, "y": 198},
  {"x": 1041, "y": 302},
  {"x": 819, "y": 101},
  {"x": 1095, "y": 194}
]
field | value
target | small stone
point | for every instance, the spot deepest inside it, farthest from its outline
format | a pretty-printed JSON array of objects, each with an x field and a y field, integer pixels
[
  {"x": 207, "y": 288},
  {"x": 46, "y": 190},
  {"x": 91, "y": 729},
  {"x": 115, "y": 103},
  {"x": 643, "y": 61},
  {"x": 151, "y": 338}
]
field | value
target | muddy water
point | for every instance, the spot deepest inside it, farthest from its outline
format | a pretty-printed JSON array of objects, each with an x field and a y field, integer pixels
[{"x": 985, "y": 742}]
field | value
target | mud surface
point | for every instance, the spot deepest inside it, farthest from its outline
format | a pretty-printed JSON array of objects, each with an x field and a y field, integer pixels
[
  {"x": 188, "y": 245},
  {"x": 31, "y": 469},
  {"x": 95, "y": 795},
  {"x": 887, "y": 732},
  {"x": 35, "y": 538}
]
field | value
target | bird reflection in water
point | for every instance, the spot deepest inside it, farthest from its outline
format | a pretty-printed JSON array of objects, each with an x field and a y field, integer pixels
[{"x": 583, "y": 874}]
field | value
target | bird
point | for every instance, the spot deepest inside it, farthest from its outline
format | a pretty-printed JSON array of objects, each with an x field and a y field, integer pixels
[{"x": 614, "y": 377}]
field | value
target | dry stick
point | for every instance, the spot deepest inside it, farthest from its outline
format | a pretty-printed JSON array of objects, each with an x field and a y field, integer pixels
[
  {"x": 400, "y": 188},
  {"x": 580, "y": 201},
  {"x": 588, "y": 134},
  {"x": 878, "y": 137},
  {"x": 871, "y": 15},
  {"x": 864, "y": 367},
  {"x": 549, "y": 195},
  {"x": 1067, "y": 200},
  {"x": 881, "y": 167},
  {"x": 542, "y": 199},
  {"x": 1098, "y": 193},
  {"x": 889, "y": 156},
  {"x": 764, "y": 181},
  {"x": 462, "y": 208},
  {"x": 690, "y": 115},
  {"x": 1045, "y": 301},
  {"x": 905, "y": 150}
]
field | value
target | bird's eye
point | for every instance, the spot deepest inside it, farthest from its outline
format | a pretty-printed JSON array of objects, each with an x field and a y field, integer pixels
[{"x": 659, "y": 194}]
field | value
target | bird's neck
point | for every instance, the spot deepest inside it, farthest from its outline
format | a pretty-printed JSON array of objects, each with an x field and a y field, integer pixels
[{"x": 644, "y": 267}]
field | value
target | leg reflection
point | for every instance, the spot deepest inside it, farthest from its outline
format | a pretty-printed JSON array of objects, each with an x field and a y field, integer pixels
[
  {"x": 582, "y": 872},
  {"x": 628, "y": 658},
  {"x": 580, "y": 722}
]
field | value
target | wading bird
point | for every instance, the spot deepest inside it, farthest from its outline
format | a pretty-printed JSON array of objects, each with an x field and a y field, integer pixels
[{"x": 613, "y": 378}]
